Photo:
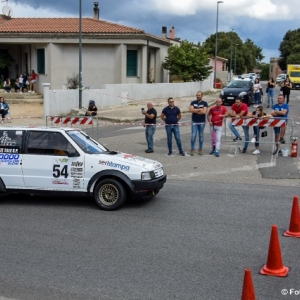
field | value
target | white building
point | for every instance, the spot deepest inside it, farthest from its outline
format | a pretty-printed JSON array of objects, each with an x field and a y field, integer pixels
[{"x": 111, "y": 53}]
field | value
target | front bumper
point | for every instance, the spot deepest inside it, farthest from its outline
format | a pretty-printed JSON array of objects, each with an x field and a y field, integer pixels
[
  {"x": 231, "y": 99},
  {"x": 148, "y": 188},
  {"x": 296, "y": 85}
]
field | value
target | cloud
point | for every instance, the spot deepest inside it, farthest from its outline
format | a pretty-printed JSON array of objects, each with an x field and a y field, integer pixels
[
  {"x": 256, "y": 9},
  {"x": 265, "y": 22}
]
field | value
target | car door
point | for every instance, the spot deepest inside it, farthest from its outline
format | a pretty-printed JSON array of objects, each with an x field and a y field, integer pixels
[
  {"x": 11, "y": 158},
  {"x": 49, "y": 162}
]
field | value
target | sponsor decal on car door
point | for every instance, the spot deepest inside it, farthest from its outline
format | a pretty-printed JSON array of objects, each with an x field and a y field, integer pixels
[{"x": 11, "y": 158}]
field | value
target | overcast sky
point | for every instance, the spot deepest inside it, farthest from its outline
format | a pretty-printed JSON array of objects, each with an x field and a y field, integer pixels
[{"x": 265, "y": 22}]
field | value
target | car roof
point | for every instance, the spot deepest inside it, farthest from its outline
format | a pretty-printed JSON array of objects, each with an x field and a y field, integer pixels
[
  {"x": 39, "y": 128},
  {"x": 242, "y": 79}
]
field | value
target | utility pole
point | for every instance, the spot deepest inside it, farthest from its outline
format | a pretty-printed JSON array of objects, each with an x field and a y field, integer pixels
[
  {"x": 235, "y": 59},
  {"x": 216, "y": 47},
  {"x": 80, "y": 56},
  {"x": 230, "y": 71}
]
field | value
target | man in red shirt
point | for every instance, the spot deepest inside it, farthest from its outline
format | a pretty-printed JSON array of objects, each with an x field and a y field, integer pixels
[
  {"x": 215, "y": 118},
  {"x": 239, "y": 110}
]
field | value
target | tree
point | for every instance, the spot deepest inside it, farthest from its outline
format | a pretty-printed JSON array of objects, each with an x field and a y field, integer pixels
[
  {"x": 5, "y": 59},
  {"x": 230, "y": 45},
  {"x": 289, "y": 49},
  {"x": 188, "y": 61},
  {"x": 264, "y": 74}
]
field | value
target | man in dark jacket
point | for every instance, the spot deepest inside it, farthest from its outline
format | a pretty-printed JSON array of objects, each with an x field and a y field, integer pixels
[{"x": 150, "y": 125}]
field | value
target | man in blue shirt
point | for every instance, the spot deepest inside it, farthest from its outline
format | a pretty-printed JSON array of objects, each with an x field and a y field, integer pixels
[
  {"x": 280, "y": 110},
  {"x": 198, "y": 108},
  {"x": 171, "y": 114}
]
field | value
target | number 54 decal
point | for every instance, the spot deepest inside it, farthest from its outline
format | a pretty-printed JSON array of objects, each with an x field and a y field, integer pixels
[{"x": 59, "y": 171}]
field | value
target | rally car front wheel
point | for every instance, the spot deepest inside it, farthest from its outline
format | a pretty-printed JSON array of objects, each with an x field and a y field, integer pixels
[{"x": 109, "y": 194}]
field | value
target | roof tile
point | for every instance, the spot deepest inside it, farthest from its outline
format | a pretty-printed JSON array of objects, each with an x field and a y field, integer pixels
[{"x": 62, "y": 25}]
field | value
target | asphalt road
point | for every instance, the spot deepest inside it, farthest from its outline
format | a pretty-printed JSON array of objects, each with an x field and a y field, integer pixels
[
  {"x": 212, "y": 220},
  {"x": 193, "y": 241}
]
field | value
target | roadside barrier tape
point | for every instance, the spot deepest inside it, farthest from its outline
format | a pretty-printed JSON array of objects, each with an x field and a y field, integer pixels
[{"x": 25, "y": 118}]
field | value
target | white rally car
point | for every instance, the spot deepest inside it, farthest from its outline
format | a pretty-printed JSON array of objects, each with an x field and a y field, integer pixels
[{"x": 43, "y": 159}]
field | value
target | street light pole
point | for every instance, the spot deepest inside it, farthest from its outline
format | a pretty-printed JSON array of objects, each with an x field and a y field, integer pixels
[
  {"x": 216, "y": 46},
  {"x": 80, "y": 56},
  {"x": 230, "y": 56},
  {"x": 235, "y": 59}
]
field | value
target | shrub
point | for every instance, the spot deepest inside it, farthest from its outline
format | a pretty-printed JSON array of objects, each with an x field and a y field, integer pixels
[{"x": 73, "y": 82}]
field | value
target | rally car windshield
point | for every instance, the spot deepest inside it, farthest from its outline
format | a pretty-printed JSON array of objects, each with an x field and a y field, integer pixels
[
  {"x": 239, "y": 84},
  {"x": 86, "y": 143}
]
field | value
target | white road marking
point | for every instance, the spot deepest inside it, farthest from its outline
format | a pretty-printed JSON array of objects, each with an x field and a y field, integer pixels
[{"x": 131, "y": 128}]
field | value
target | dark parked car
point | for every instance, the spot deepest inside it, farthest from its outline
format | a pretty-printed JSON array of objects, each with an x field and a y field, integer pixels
[{"x": 238, "y": 87}]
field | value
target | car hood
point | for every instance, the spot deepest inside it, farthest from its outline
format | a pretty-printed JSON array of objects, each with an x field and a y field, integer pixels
[
  {"x": 126, "y": 159},
  {"x": 233, "y": 91}
]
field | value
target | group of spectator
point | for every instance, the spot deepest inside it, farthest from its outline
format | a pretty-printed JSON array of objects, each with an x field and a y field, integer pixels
[
  {"x": 24, "y": 81},
  {"x": 285, "y": 89},
  {"x": 214, "y": 116}
]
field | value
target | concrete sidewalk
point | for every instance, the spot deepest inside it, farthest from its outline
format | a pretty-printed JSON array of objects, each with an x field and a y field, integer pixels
[{"x": 130, "y": 112}]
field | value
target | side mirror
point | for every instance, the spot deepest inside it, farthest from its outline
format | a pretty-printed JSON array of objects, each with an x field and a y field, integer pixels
[{"x": 72, "y": 154}]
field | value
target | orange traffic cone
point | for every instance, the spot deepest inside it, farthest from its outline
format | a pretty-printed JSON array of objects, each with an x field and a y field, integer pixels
[
  {"x": 248, "y": 287},
  {"x": 274, "y": 266},
  {"x": 294, "y": 229}
]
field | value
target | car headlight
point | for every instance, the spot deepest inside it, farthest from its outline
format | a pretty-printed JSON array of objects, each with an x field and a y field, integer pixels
[
  {"x": 222, "y": 93},
  {"x": 242, "y": 94},
  {"x": 148, "y": 175}
]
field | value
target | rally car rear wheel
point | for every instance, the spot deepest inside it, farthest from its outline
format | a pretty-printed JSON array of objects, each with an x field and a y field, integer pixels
[{"x": 109, "y": 194}]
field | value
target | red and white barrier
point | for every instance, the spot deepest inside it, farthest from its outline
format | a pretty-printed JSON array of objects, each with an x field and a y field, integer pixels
[
  {"x": 72, "y": 120},
  {"x": 266, "y": 122}
]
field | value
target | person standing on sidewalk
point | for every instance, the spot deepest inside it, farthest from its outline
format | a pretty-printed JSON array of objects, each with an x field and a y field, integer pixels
[
  {"x": 280, "y": 110},
  {"x": 171, "y": 114},
  {"x": 270, "y": 91},
  {"x": 32, "y": 82},
  {"x": 21, "y": 79},
  {"x": 150, "y": 125},
  {"x": 215, "y": 118},
  {"x": 239, "y": 110},
  {"x": 256, "y": 90},
  {"x": 286, "y": 87},
  {"x": 198, "y": 108}
]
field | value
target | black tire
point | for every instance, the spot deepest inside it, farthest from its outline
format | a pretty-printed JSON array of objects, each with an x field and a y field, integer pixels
[
  {"x": 109, "y": 194},
  {"x": 250, "y": 100}
]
